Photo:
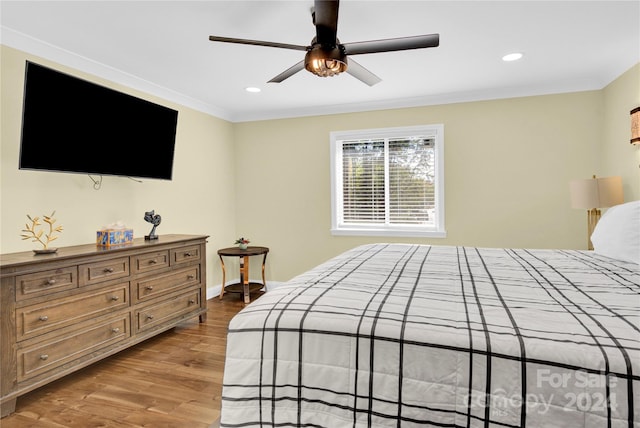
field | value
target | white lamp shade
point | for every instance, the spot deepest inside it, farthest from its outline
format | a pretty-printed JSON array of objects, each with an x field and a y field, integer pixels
[{"x": 596, "y": 192}]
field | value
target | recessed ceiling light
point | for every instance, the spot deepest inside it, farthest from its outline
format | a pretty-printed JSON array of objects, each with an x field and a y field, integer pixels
[
  {"x": 252, "y": 89},
  {"x": 512, "y": 57}
]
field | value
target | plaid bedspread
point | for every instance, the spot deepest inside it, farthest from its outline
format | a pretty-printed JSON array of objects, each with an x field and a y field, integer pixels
[{"x": 390, "y": 335}]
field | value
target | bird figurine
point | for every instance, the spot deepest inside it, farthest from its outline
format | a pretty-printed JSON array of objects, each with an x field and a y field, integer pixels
[{"x": 155, "y": 219}]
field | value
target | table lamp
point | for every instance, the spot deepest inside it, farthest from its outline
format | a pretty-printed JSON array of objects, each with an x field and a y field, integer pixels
[{"x": 592, "y": 194}]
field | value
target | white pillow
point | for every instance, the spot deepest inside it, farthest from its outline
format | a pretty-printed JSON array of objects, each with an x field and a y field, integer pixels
[{"x": 617, "y": 234}]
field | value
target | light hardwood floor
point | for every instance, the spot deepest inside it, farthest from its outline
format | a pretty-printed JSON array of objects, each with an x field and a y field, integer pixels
[{"x": 173, "y": 380}]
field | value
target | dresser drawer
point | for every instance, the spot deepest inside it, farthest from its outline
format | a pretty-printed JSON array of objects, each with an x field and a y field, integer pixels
[
  {"x": 146, "y": 288},
  {"x": 46, "y": 282},
  {"x": 92, "y": 273},
  {"x": 185, "y": 254},
  {"x": 167, "y": 310},
  {"x": 44, "y": 317},
  {"x": 49, "y": 355},
  {"x": 149, "y": 262}
]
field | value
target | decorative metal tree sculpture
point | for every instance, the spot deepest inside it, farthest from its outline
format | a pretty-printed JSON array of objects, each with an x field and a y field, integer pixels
[{"x": 31, "y": 232}]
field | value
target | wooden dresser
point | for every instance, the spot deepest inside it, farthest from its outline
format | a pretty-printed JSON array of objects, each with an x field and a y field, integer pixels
[{"x": 61, "y": 312}]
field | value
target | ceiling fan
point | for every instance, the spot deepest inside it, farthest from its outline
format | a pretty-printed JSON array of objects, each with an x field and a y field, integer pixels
[{"x": 326, "y": 56}]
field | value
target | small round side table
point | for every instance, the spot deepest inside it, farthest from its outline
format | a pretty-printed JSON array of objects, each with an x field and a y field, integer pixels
[{"x": 244, "y": 286}]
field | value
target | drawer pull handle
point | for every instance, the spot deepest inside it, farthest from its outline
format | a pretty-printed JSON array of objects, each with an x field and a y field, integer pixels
[
  {"x": 191, "y": 301},
  {"x": 108, "y": 270},
  {"x": 190, "y": 276},
  {"x": 149, "y": 317},
  {"x": 51, "y": 281},
  {"x": 115, "y": 298},
  {"x": 153, "y": 261},
  {"x": 188, "y": 254},
  {"x": 115, "y": 330},
  {"x": 44, "y": 357},
  {"x": 149, "y": 287},
  {"x": 43, "y": 318}
]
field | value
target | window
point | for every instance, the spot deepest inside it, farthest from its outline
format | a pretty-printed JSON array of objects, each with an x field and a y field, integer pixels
[{"x": 388, "y": 182}]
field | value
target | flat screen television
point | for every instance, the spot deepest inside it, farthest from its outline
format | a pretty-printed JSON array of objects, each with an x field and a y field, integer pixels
[{"x": 73, "y": 125}]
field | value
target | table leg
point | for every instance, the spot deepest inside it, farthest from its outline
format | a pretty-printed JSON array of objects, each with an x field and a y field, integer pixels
[
  {"x": 244, "y": 277},
  {"x": 264, "y": 281},
  {"x": 223, "y": 277}
]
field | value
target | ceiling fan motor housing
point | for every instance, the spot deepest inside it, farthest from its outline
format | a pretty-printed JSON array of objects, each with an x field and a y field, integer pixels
[{"x": 325, "y": 61}]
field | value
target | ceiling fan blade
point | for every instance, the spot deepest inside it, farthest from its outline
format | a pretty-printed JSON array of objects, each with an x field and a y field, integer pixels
[
  {"x": 257, "y": 43},
  {"x": 359, "y": 72},
  {"x": 325, "y": 18},
  {"x": 288, "y": 72},
  {"x": 389, "y": 45}
]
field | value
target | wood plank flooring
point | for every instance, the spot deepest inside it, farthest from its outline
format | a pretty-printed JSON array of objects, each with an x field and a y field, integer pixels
[{"x": 173, "y": 380}]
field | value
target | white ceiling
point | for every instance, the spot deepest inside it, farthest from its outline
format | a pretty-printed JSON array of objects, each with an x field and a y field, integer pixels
[{"x": 162, "y": 47}]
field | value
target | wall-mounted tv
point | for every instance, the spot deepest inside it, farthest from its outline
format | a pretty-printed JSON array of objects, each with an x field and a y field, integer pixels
[{"x": 73, "y": 125}]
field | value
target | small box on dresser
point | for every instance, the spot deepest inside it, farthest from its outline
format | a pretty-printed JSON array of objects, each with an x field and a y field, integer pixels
[
  {"x": 64, "y": 311},
  {"x": 112, "y": 237}
]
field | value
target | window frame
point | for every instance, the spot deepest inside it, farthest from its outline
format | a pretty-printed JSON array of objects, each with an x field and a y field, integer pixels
[{"x": 438, "y": 230}]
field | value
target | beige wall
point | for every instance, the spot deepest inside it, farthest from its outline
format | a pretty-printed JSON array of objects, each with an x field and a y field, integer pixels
[
  {"x": 507, "y": 168},
  {"x": 617, "y": 156},
  {"x": 199, "y": 200}
]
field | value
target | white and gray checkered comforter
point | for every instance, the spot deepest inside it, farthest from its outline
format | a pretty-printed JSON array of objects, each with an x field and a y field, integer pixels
[{"x": 389, "y": 335}]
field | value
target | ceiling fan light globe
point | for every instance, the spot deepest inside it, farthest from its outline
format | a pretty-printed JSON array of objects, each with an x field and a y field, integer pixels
[
  {"x": 325, "y": 62},
  {"x": 326, "y": 67}
]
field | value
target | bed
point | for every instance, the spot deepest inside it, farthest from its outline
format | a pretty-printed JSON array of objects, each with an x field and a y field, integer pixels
[{"x": 416, "y": 335}]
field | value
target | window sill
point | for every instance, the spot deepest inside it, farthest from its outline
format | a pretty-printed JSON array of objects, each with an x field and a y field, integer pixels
[{"x": 402, "y": 233}]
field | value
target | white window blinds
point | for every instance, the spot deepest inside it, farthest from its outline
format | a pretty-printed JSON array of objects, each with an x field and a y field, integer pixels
[
  {"x": 363, "y": 186},
  {"x": 389, "y": 183}
]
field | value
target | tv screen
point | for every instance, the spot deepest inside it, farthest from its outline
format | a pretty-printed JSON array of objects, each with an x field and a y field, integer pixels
[{"x": 72, "y": 125}]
